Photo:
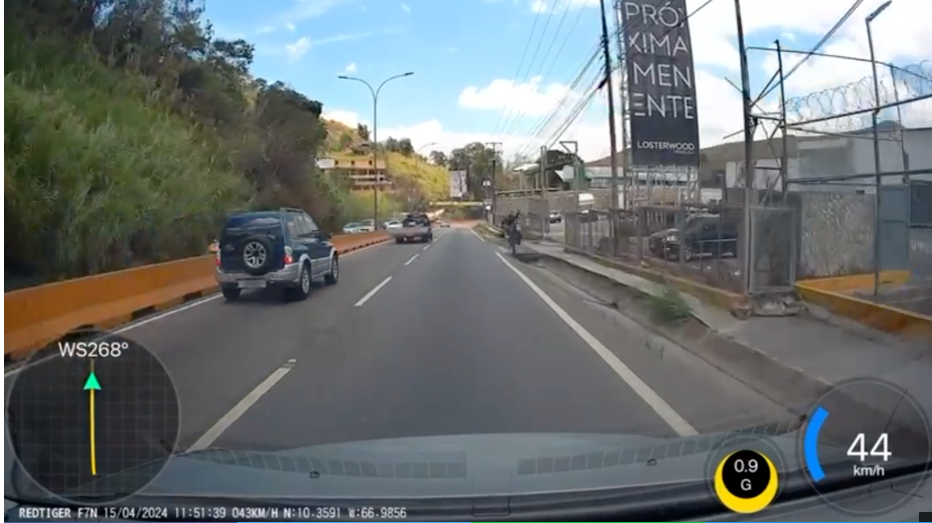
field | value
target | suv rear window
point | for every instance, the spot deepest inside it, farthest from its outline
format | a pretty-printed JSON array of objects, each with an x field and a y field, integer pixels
[{"x": 252, "y": 224}]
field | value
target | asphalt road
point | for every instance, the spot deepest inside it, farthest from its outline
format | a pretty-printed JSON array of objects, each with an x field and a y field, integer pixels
[{"x": 450, "y": 338}]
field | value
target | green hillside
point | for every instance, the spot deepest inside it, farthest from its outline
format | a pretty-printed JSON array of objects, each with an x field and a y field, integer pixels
[
  {"x": 129, "y": 147},
  {"x": 416, "y": 179}
]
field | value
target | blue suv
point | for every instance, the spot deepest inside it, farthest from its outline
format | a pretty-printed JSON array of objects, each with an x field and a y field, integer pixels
[{"x": 274, "y": 249}]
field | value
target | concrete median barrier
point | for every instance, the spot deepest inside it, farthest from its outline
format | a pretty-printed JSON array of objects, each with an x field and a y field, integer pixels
[{"x": 37, "y": 316}]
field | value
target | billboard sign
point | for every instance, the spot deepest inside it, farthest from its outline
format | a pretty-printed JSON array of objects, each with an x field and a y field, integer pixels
[
  {"x": 458, "y": 187},
  {"x": 661, "y": 83}
]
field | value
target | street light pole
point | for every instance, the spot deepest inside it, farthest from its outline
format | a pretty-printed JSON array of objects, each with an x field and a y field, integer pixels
[
  {"x": 877, "y": 178},
  {"x": 375, "y": 136}
]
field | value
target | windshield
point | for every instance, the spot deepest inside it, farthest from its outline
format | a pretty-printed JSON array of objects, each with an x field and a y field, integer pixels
[
  {"x": 536, "y": 307},
  {"x": 238, "y": 226}
]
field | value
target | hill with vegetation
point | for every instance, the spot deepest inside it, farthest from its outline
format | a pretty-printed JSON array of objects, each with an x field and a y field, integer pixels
[
  {"x": 131, "y": 131},
  {"x": 417, "y": 179}
]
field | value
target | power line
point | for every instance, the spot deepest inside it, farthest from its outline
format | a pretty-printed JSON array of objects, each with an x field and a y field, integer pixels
[
  {"x": 575, "y": 114},
  {"x": 527, "y": 46},
  {"x": 543, "y": 61},
  {"x": 516, "y": 114},
  {"x": 546, "y": 120}
]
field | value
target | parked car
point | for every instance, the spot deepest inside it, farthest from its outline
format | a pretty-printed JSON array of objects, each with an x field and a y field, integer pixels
[
  {"x": 555, "y": 217},
  {"x": 703, "y": 235},
  {"x": 416, "y": 227},
  {"x": 366, "y": 225},
  {"x": 351, "y": 228},
  {"x": 391, "y": 224},
  {"x": 274, "y": 249},
  {"x": 588, "y": 215},
  {"x": 443, "y": 224}
]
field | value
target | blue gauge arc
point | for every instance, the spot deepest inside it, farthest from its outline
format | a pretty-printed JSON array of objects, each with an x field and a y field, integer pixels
[{"x": 811, "y": 443}]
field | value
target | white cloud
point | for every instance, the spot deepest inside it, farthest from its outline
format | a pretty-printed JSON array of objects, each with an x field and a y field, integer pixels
[
  {"x": 529, "y": 98},
  {"x": 405, "y": 8},
  {"x": 719, "y": 113},
  {"x": 301, "y": 46},
  {"x": 298, "y": 48},
  {"x": 350, "y": 68},
  {"x": 290, "y": 27},
  {"x": 348, "y": 117},
  {"x": 900, "y": 34}
]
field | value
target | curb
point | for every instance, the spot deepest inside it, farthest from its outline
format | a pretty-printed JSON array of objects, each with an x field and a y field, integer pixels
[
  {"x": 746, "y": 364},
  {"x": 787, "y": 386}
]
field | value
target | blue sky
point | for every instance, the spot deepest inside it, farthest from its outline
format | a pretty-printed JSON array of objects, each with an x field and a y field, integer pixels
[{"x": 465, "y": 56}]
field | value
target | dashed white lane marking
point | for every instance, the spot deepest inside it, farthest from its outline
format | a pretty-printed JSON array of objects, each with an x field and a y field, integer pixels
[
  {"x": 427, "y": 246},
  {"x": 411, "y": 259},
  {"x": 643, "y": 390},
  {"x": 476, "y": 234},
  {"x": 371, "y": 293},
  {"x": 214, "y": 432},
  {"x": 165, "y": 314}
]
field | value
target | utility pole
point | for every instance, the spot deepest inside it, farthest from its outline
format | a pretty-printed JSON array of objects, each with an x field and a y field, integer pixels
[
  {"x": 613, "y": 139},
  {"x": 627, "y": 189},
  {"x": 493, "y": 186},
  {"x": 878, "y": 180},
  {"x": 749, "y": 167}
]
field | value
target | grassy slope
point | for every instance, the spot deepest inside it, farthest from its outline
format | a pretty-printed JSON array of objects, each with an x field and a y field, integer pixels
[
  {"x": 431, "y": 180},
  {"x": 98, "y": 176}
]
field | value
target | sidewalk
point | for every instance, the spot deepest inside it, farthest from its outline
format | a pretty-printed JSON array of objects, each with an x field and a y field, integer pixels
[{"x": 793, "y": 357}]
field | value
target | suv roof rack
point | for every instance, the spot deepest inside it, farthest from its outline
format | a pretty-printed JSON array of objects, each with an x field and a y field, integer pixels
[{"x": 290, "y": 209}]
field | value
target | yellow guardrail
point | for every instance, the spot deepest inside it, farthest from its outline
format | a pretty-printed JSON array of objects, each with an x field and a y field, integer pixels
[
  {"x": 836, "y": 295},
  {"x": 37, "y": 316}
]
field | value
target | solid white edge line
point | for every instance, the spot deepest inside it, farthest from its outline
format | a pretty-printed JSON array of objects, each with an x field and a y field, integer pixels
[
  {"x": 371, "y": 293},
  {"x": 642, "y": 389},
  {"x": 411, "y": 260},
  {"x": 218, "y": 428},
  {"x": 476, "y": 234},
  {"x": 167, "y": 313}
]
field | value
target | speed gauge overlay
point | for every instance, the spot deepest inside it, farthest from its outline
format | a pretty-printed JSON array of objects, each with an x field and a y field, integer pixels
[
  {"x": 862, "y": 431},
  {"x": 95, "y": 420}
]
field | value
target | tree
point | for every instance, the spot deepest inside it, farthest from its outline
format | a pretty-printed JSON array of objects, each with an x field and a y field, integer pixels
[
  {"x": 405, "y": 147},
  {"x": 476, "y": 159},
  {"x": 363, "y": 131},
  {"x": 188, "y": 135},
  {"x": 438, "y": 158}
]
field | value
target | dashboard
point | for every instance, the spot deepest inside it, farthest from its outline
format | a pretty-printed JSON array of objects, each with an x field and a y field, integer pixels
[{"x": 94, "y": 424}]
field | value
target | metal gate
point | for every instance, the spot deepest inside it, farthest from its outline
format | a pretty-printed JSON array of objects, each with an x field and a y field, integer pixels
[{"x": 894, "y": 228}]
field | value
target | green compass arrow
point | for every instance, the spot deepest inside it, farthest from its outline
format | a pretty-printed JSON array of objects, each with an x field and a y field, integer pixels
[{"x": 92, "y": 383}]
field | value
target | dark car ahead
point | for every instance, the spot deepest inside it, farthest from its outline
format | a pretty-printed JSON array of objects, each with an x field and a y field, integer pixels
[{"x": 274, "y": 249}]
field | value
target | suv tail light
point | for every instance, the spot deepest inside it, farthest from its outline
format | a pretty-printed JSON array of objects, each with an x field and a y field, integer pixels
[
  {"x": 289, "y": 256},
  {"x": 217, "y": 259}
]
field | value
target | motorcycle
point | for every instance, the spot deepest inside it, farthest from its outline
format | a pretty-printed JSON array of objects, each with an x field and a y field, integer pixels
[{"x": 514, "y": 238}]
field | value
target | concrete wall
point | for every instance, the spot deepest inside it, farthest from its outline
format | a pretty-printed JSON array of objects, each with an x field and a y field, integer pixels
[{"x": 836, "y": 233}]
